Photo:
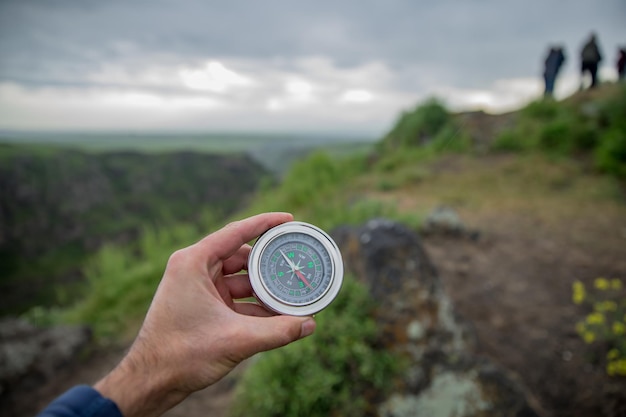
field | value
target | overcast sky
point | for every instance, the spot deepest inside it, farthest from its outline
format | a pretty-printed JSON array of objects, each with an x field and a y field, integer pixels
[{"x": 282, "y": 65}]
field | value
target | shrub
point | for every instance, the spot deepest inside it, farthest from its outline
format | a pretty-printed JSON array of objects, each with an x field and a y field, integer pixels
[
  {"x": 419, "y": 126},
  {"x": 509, "y": 141},
  {"x": 566, "y": 129},
  {"x": 450, "y": 138},
  {"x": 543, "y": 110},
  {"x": 121, "y": 281},
  {"x": 610, "y": 155},
  {"x": 309, "y": 177}
]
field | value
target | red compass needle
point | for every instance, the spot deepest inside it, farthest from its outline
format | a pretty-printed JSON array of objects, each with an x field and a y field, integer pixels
[
  {"x": 294, "y": 268},
  {"x": 302, "y": 278}
]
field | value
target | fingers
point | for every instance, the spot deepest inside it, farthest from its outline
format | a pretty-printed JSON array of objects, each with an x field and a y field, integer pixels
[
  {"x": 252, "y": 309},
  {"x": 222, "y": 244},
  {"x": 265, "y": 333},
  {"x": 237, "y": 262},
  {"x": 238, "y": 286}
]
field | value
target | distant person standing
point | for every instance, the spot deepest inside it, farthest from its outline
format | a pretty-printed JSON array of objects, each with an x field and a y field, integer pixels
[
  {"x": 590, "y": 56},
  {"x": 621, "y": 63},
  {"x": 552, "y": 65}
]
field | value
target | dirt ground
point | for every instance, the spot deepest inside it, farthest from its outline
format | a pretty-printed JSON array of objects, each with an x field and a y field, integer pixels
[{"x": 514, "y": 285}]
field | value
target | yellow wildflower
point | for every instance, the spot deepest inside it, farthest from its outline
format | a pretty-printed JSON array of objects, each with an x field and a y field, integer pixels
[
  {"x": 620, "y": 367},
  {"x": 619, "y": 328},
  {"x": 589, "y": 337},
  {"x": 616, "y": 284},
  {"x": 595, "y": 318},
  {"x": 578, "y": 292},
  {"x": 605, "y": 306},
  {"x": 611, "y": 368},
  {"x": 612, "y": 354},
  {"x": 601, "y": 283}
]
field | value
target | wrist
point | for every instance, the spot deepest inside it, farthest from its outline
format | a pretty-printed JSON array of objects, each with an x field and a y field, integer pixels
[{"x": 137, "y": 390}]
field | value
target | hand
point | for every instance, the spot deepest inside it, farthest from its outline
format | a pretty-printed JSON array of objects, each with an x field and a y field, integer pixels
[{"x": 194, "y": 332}]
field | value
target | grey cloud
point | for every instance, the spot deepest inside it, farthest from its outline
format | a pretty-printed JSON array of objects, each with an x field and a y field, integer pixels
[{"x": 469, "y": 42}]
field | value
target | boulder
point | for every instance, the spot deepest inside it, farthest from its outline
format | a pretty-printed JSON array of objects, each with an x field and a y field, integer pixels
[
  {"x": 445, "y": 221},
  {"x": 442, "y": 376},
  {"x": 31, "y": 355}
]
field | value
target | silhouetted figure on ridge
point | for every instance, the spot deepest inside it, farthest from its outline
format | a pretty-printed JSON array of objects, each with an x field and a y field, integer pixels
[
  {"x": 590, "y": 57},
  {"x": 552, "y": 65},
  {"x": 621, "y": 63}
]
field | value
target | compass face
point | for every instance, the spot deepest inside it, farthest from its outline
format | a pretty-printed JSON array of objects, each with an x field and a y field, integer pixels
[{"x": 295, "y": 268}]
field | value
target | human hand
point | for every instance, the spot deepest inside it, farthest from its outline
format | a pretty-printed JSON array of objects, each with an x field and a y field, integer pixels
[{"x": 195, "y": 332}]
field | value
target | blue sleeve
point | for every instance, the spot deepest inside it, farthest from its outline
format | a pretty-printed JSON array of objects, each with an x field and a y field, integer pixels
[{"x": 81, "y": 401}]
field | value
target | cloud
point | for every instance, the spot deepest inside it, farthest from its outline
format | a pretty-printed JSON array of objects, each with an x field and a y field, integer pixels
[
  {"x": 308, "y": 94},
  {"x": 280, "y": 64},
  {"x": 99, "y": 109},
  {"x": 501, "y": 96},
  {"x": 213, "y": 76},
  {"x": 356, "y": 96}
]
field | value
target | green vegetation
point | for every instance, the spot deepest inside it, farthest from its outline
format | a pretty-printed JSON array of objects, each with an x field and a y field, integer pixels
[
  {"x": 321, "y": 190},
  {"x": 309, "y": 377},
  {"x": 573, "y": 128},
  {"x": 429, "y": 126},
  {"x": 121, "y": 281},
  {"x": 605, "y": 324},
  {"x": 58, "y": 206}
]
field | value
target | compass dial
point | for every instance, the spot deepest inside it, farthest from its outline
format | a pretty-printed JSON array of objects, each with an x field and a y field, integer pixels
[{"x": 295, "y": 268}]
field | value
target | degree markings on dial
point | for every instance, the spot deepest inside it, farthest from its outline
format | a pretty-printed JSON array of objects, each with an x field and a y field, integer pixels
[{"x": 294, "y": 270}]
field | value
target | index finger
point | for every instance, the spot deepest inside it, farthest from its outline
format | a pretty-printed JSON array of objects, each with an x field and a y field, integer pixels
[{"x": 222, "y": 244}]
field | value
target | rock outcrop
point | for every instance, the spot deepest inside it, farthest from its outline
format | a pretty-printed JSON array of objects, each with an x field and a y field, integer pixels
[
  {"x": 442, "y": 376},
  {"x": 30, "y": 355}
]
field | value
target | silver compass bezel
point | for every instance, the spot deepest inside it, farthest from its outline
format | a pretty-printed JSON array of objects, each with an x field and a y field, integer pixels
[{"x": 264, "y": 294}]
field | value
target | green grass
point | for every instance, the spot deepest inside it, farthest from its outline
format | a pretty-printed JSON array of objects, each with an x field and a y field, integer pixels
[
  {"x": 311, "y": 377},
  {"x": 121, "y": 281}
]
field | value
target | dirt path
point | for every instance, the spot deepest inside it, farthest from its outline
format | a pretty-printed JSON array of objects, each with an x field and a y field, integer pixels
[{"x": 514, "y": 285}]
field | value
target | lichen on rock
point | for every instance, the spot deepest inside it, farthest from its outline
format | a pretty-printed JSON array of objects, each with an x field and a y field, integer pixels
[{"x": 443, "y": 377}]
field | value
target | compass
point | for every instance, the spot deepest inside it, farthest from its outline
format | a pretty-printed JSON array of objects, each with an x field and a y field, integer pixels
[{"x": 295, "y": 268}]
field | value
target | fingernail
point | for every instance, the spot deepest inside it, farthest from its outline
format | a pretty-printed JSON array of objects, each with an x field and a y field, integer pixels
[{"x": 308, "y": 327}]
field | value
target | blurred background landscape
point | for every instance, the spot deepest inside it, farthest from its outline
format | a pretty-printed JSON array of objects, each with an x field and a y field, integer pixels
[{"x": 128, "y": 131}]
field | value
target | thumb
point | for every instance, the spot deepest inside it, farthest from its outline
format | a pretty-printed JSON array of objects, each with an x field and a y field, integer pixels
[{"x": 266, "y": 333}]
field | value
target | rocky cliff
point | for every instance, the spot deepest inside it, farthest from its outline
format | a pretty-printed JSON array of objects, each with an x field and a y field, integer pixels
[{"x": 58, "y": 205}]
